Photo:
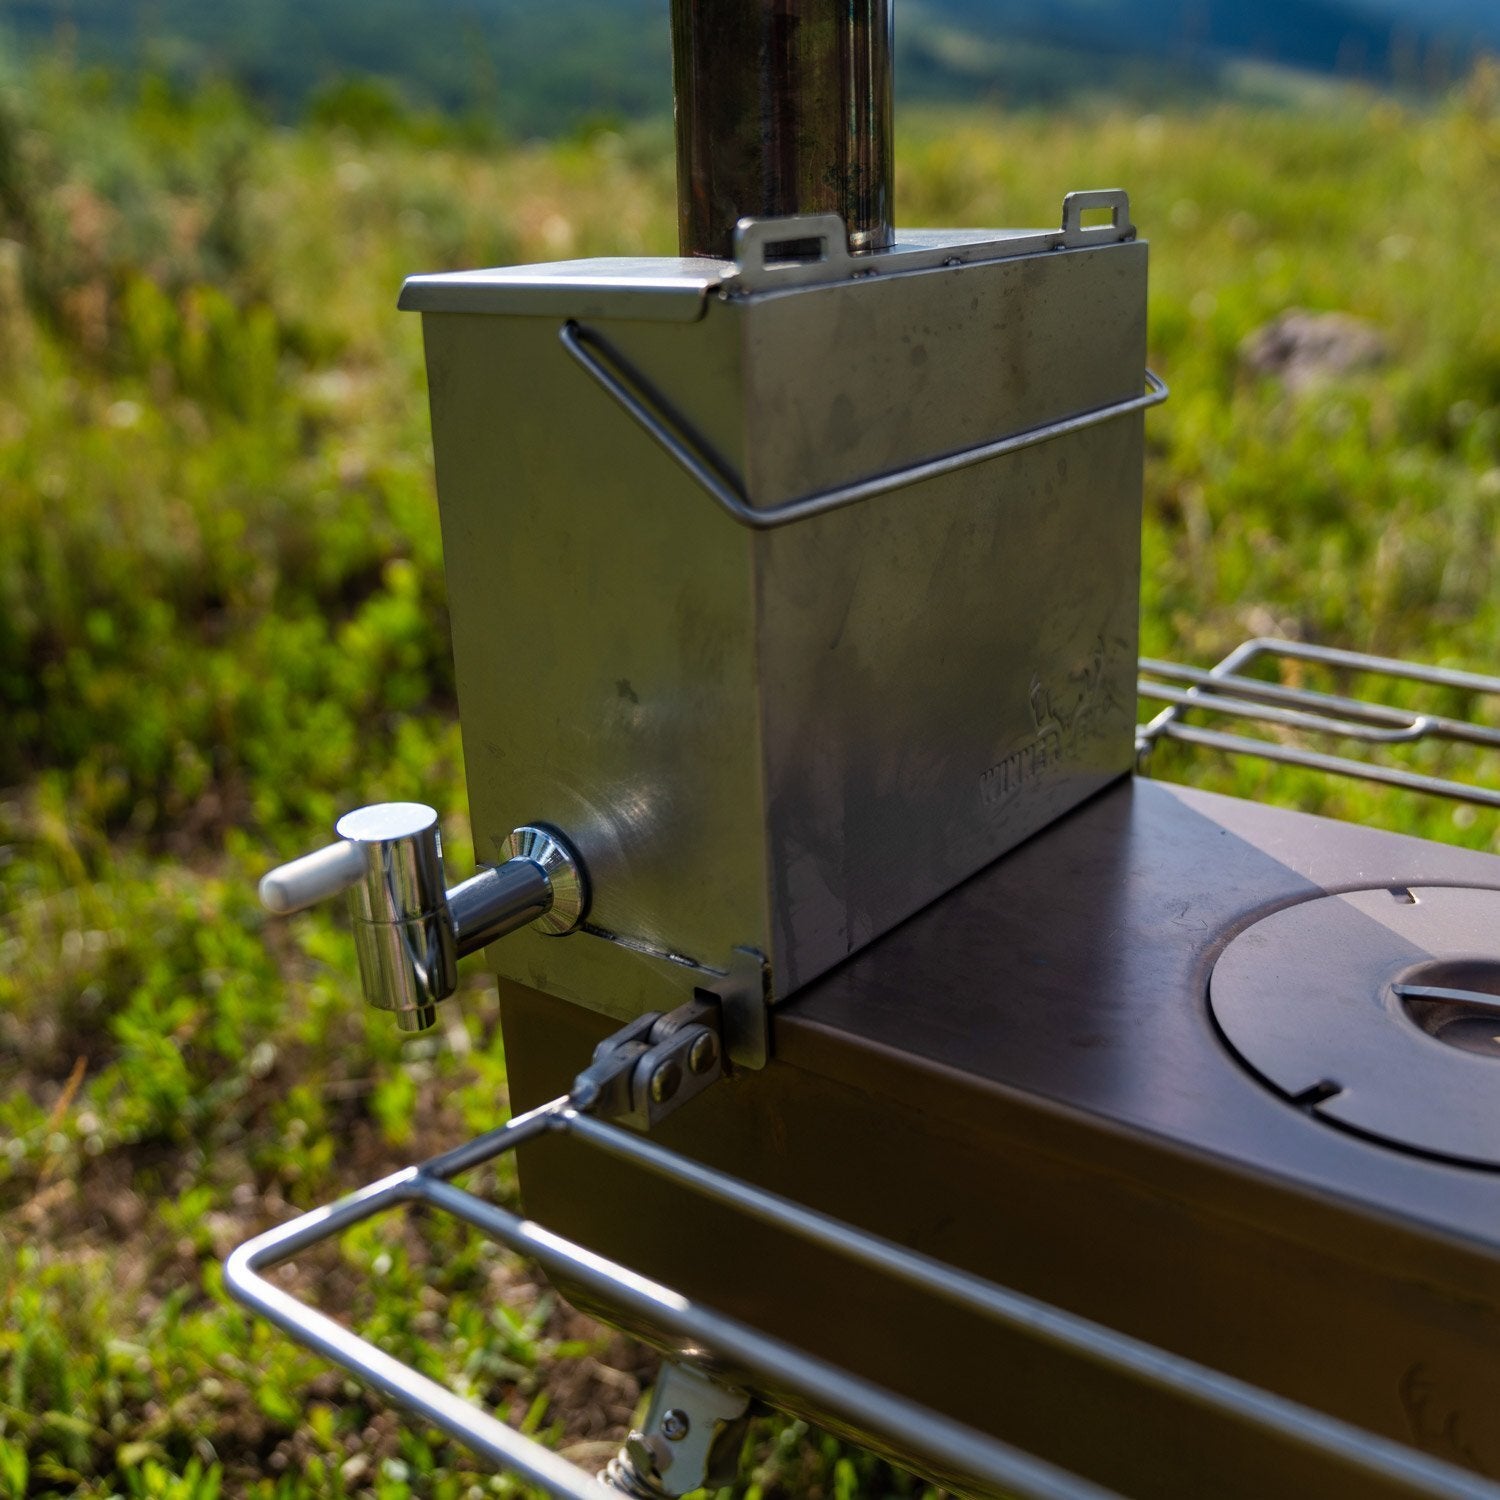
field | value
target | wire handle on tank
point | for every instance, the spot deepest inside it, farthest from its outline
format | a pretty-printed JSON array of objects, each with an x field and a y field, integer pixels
[{"x": 674, "y": 435}]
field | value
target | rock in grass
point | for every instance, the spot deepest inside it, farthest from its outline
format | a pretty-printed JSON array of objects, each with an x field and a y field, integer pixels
[{"x": 1304, "y": 349}]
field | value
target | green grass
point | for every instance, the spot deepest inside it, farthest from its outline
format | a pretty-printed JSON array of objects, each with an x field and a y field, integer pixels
[{"x": 222, "y": 621}]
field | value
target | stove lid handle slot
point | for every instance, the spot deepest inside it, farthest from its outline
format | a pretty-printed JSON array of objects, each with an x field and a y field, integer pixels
[
  {"x": 1076, "y": 205},
  {"x": 777, "y": 246},
  {"x": 676, "y": 437}
]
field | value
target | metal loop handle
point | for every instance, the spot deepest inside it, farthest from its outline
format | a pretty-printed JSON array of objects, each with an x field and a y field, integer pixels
[
  {"x": 1344, "y": 1458},
  {"x": 675, "y": 436}
]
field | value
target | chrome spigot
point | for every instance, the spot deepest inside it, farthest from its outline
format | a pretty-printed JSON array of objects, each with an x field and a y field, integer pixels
[{"x": 409, "y": 929}]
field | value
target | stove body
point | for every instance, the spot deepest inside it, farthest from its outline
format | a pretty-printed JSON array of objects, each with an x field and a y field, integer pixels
[{"x": 1026, "y": 1081}]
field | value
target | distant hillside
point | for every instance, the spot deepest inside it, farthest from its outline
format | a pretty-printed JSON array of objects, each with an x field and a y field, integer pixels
[
  {"x": 539, "y": 68},
  {"x": 1325, "y": 36},
  {"x": 536, "y": 68},
  {"x": 1465, "y": 21}
]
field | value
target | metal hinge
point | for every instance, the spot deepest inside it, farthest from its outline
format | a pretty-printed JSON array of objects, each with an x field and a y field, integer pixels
[{"x": 653, "y": 1065}]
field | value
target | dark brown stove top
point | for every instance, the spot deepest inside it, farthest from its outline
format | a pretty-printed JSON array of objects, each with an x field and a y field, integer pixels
[
  {"x": 1025, "y": 1081},
  {"x": 1077, "y": 969}
]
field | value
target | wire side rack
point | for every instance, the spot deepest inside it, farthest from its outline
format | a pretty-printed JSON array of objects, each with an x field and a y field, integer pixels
[
  {"x": 1229, "y": 691},
  {"x": 1333, "y": 1456}
]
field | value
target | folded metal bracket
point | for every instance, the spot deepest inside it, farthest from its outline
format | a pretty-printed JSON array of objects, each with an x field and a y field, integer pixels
[
  {"x": 1227, "y": 690},
  {"x": 744, "y": 996},
  {"x": 1333, "y": 1455},
  {"x": 691, "y": 1439},
  {"x": 675, "y": 436}
]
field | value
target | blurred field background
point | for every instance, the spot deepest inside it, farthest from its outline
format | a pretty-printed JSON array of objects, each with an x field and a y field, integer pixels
[{"x": 222, "y": 622}]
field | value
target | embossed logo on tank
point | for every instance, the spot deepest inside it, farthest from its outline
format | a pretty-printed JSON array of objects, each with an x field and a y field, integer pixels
[
  {"x": 1068, "y": 712},
  {"x": 1437, "y": 1421}
]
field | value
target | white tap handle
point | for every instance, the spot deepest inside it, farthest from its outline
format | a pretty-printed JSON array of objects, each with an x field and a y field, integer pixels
[{"x": 313, "y": 878}]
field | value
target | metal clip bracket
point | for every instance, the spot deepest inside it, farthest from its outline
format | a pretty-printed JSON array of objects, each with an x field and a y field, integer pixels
[{"x": 653, "y": 1065}]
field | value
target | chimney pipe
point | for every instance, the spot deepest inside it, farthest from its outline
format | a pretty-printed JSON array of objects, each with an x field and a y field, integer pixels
[{"x": 783, "y": 107}]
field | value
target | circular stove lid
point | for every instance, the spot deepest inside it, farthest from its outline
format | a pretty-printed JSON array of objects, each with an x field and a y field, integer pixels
[{"x": 1378, "y": 1010}]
